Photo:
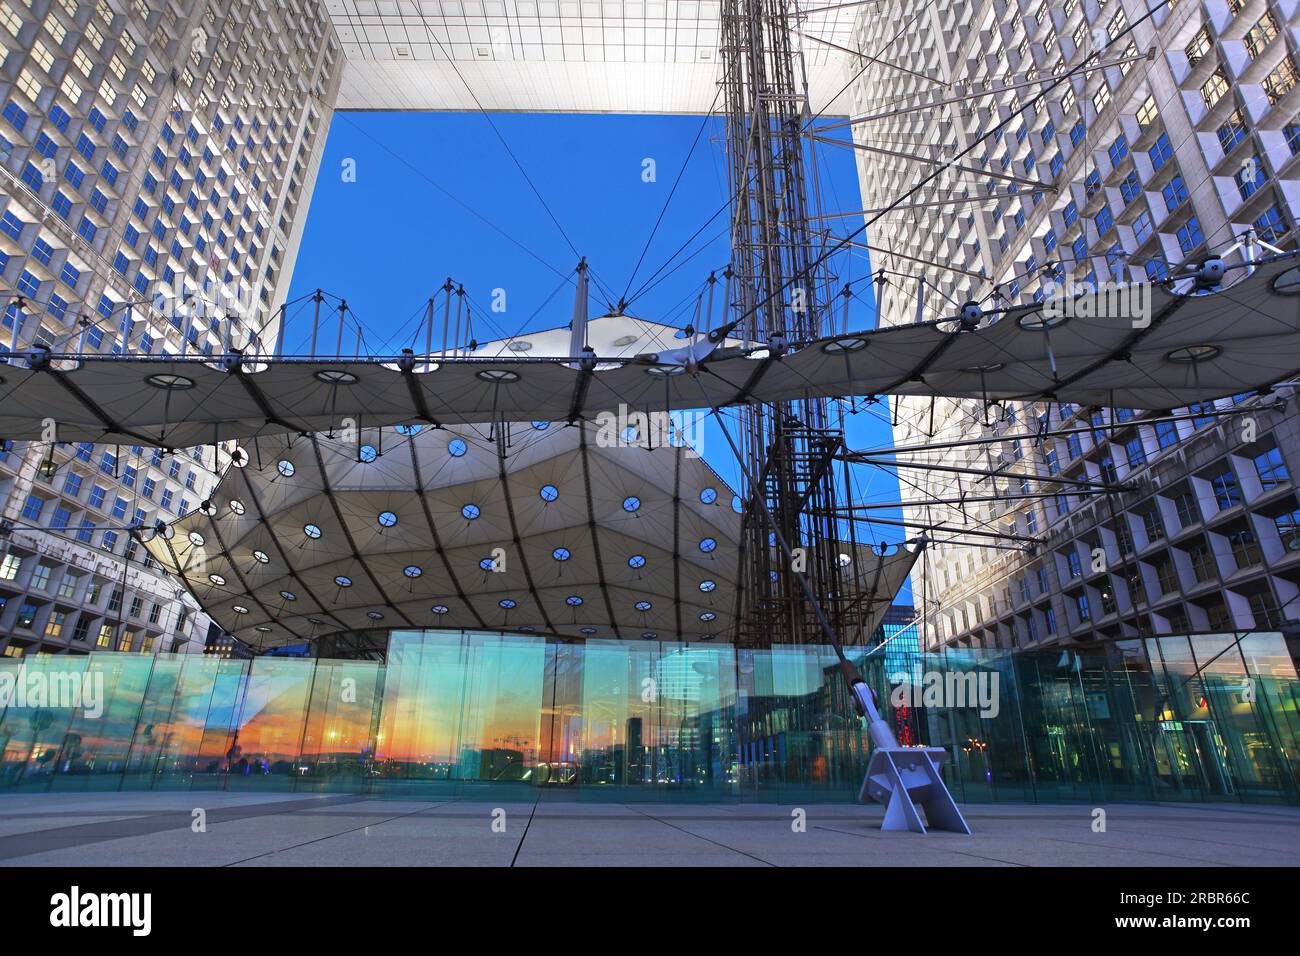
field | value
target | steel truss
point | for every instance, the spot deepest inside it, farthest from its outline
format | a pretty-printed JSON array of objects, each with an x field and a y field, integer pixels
[{"x": 780, "y": 292}]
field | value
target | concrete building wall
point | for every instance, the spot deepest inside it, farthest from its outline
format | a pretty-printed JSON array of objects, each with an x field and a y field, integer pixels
[
  {"x": 150, "y": 154},
  {"x": 1185, "y": 138}
]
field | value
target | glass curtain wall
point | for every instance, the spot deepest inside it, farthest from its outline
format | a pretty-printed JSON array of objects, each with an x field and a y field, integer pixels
[{"x": 1201, "y": 718}]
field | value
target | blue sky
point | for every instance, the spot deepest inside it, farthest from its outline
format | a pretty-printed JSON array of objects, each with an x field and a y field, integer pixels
[{"x": 438, "y": 194}]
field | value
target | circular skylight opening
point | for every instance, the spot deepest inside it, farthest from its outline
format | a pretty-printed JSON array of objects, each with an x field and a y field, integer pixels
[
  {"x": 541, "y": 426},
  {"x": 439, "y": 609},
  {"x": 736, "y": 504},
  {"x": 623, "y": 341},
  {"x": 631, "y": 503},
  {"x": 643, "y": 605},
  {"x": 636, "y": 561},
  {"x": 261, "y": 557},
  {"x": 487, "y": 564},
  {"x": 387, "y": 519},
  {"x": 1192, "y": 354},
  {"x": 288, "y": 595},
  {"x": 498, "y": 376},
  {"x": 709, "y": 495},
  {"x": 588, "y": 630},
  {"x": 573, "y": 600},
  {"x": 845, "y": 560},
  {"x": 375, "y": 615},
  {"x": 561, "y": 554},
  {"x": 408, "y": 429},
  {"x": 708, "y": 545},
  {"x": 285, "y": 467},
  {"x": 650, "y": 635},
  {"x": 549, "y": 492},
  {"x": 1036, "y": 321},
  {"x": 343, "y": 581},
  {"x": 412, "y": 570},
  {"x": 196, "y": 539},
  {"x": 707, "y": 616},
  {"x": 520, "y": 346},
  {"x": 262, "y": 629},
  {"x": 978, "y": 369},
  {"x": 457, "y": 447},
  {"x": 366, "y": 454},
  {"x": 239, "y": 609},
  {"x": 236, "y": 506},
  {"x": 217, "y": 579},
  {"x": 336, "y": 376},
  {"x": 170, "y": 383},
  {"x": 665, "y": 371},
  {"x": 470, "y": 512},
  {"x": 506, "y": 603},
  {"x": 1288, "y": 282},
  {"x": 850, "y": 343},
  {"x": 707, "y": 586},
  {"x": 311, "y": 530}
]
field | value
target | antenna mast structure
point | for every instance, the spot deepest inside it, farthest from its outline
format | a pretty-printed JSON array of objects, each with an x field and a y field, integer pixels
[{"x": 780, "y": 293}]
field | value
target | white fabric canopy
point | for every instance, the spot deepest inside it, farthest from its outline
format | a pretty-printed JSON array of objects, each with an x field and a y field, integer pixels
[
  {"x": 316, "y": 536},
  {"x": 1192, "y": 348}
]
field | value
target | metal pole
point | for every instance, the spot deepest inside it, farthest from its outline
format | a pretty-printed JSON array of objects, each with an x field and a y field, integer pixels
[{"x": 315, "y": 321}]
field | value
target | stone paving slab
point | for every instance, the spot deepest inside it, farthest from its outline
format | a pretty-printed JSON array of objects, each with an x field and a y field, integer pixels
[{"x": 286, "y": 829}]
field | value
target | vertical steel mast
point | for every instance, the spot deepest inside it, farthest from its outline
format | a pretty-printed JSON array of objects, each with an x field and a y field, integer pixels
[{"x": 780, "y": 295}]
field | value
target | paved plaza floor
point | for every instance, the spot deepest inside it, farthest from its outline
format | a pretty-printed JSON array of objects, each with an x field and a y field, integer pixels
[{"x": 258, "y": 829}]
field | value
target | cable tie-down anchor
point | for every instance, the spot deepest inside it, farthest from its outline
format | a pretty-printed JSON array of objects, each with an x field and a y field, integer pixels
[{"x": 906, "y": 780}]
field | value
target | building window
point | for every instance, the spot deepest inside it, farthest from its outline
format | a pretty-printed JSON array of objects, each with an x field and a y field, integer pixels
[
  {"x": 1278, "y": 83},
  {"x": 1198, "y": 46},
  {"x": 1288, "y": 529},
  {"x": 41, "y": 577},
  {"x": 1260, "y": 35},
  {"x": 1189, "y": 235},
  {"x": 1245, "y": 549},
  {"x": 1250, "y": 177},
  {"x": 1166, "y": 576},
  {"x": 1214, "y": 88},
  {"x": 1227, "y": 492},
  {"x": 1135, "y": 453},
  {"x": 1152, "y": 526},
  {"x": 33, "y": 507},
  {"x": 1271, "y": 227},
  {"x": 1203, "y": 567},
  {"x": 1231, "y": 132},
  {"x": 26, "y": 616},
  {"x": 1161, "y": 152},
  {"x": 1174, "y": 193},
  {"x": 1271, "y": 469},
  {"x": 54, "y": 626}
]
